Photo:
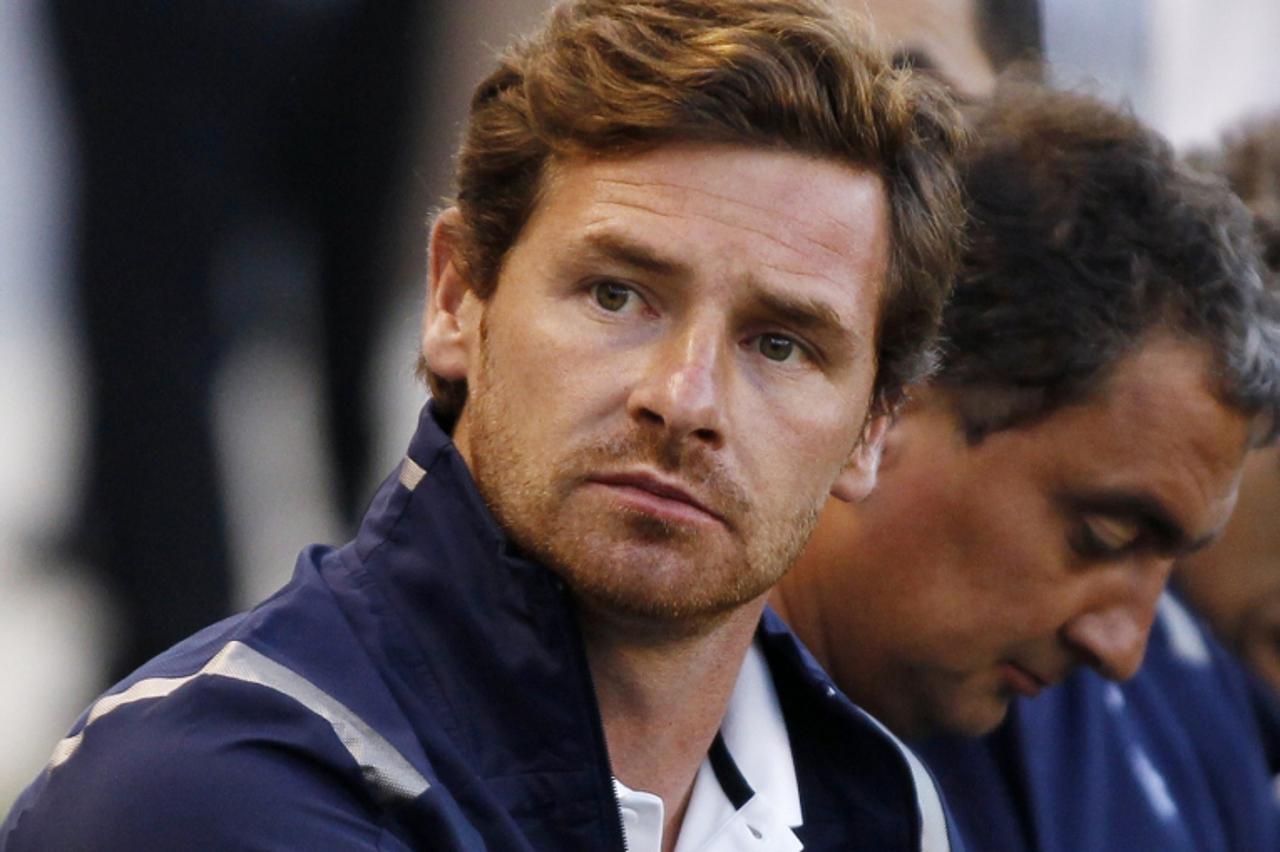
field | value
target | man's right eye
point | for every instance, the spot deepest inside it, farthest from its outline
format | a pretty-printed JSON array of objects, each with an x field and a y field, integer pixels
[{"x": 611, "y": 295}]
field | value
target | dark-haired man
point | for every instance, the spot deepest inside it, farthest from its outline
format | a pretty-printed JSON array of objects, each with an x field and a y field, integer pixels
[
  {"x": 1111, "y": 356},
  {"x": 698, "y": 249}
]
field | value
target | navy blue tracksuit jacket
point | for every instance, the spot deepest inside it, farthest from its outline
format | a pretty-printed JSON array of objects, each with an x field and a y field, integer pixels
[
  {"x": 423, "y": 687},
  {"x": 1171, "y": 761}
]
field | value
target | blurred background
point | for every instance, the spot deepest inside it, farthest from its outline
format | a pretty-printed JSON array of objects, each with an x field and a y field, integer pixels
[{"x": 212, "y": 232}]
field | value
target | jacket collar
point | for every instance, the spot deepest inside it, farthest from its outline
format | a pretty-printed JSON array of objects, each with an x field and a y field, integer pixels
[{"x": 484, "y": 649}]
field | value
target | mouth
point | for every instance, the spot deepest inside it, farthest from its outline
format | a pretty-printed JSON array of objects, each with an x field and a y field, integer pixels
[
  {"x": 1022, "y": 680},
  {"x": 658, "y": 497}
]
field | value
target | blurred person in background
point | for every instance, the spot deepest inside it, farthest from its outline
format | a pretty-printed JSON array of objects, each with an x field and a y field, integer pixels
[
  {"x": 215, "y": 139},
  {"x": 1235, "y": 583},
  {"x": 647, "y": 375},
  {"x": 1111, "y": 354},
  {"x": 963, "y": 43}
]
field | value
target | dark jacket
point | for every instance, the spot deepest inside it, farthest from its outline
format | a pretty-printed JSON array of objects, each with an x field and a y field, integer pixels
[
  {"x": 424, "y": 686},
  {"x": 1172, "y": 760}
]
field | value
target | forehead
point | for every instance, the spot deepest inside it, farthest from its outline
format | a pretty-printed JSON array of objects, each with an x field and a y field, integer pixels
[
  {"x": 1244, "y": 564},
  {"x": 1156, "y": 428},
  {"x": 729, "y": 212}
]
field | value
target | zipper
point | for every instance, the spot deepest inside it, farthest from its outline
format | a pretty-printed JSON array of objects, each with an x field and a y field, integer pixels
[
  {"x": 597, "y": 720},
  {"x": 622, "y": 822}
]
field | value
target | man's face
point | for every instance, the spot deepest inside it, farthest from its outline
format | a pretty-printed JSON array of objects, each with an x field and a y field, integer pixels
[
  {"x": 674, "y": 371},
  {"x": 1235, "y": 583},
  {"x": 976, "y": 573},
  {"x": 939, "y": 36}
]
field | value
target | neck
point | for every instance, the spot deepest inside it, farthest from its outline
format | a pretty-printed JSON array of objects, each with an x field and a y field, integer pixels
[
  {"x": 797, "y": 601},
  {"x": 841, "y": 549},
  {"x": 662, "y": 698}
]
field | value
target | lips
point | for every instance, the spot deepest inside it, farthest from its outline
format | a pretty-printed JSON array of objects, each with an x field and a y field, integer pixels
[
  {"x": 1022, "y": 680},
  {"x": 657, "y": 495}
]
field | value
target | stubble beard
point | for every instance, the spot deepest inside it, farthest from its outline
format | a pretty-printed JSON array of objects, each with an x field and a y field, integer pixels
[{"x": 618, "y": 561}]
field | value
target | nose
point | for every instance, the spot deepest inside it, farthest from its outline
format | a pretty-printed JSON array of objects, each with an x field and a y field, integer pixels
[
  {"x": 683, "y": 386},
  {"x": 1112, "y": 634}
]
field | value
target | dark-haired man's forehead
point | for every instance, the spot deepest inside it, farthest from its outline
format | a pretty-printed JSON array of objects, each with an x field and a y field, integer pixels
[{"x": 1165, "y": 451}]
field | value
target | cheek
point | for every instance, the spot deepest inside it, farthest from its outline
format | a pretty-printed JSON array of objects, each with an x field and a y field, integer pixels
[
  {"x": 963, "y": 558},
  {"x": 548, "y": 377},
  {"x": 817, "y": 419},
  {"x": 803, "y": 453},
  {"x": 817, "y": 416},
  {"x": 1005, "y": 554}
]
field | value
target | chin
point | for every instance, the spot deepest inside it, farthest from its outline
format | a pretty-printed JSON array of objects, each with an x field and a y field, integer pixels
[
  {"x": 980, "y": 722},
  {"x": 654, "y": 574},
  {"x": 663, "y": 596},
  {"x": 950, "y": 718}
]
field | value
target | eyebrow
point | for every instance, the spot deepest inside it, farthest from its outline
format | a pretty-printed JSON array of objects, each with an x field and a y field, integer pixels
[
  {"x": 636, "y": 255},
  {"x": 812, "y": 316},
  {"x": 1156, "y": 520}
]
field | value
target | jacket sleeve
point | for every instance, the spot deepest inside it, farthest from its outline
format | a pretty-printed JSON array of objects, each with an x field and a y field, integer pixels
[{"x": 235, "y": 767}]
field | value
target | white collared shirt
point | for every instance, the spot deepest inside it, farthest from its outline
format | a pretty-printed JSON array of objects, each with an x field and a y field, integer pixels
[{"x": 745, "y": 796}]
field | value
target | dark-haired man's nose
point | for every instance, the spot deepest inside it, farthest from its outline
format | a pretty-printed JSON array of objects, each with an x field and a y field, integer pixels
[{"x": 1112, "y": 637}]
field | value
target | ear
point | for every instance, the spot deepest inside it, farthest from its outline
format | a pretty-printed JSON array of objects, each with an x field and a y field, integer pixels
[
  {"x": 858, "y": 478},
  {"x": 450, "y": 321}
]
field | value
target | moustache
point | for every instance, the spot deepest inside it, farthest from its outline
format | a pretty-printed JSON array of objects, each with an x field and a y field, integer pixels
[{"x": 705, "y": 475}]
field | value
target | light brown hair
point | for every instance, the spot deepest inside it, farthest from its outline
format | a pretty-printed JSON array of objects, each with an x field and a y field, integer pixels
[{"x": 612, "y": 78}]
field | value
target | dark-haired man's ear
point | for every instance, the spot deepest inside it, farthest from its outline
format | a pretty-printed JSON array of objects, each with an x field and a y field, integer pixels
[
  {"x": 451, "y": 320},
  {"x": 858, "y": 478}
]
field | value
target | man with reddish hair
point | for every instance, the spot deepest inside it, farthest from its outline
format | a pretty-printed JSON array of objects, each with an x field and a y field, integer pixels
[{"x": 698, "y": 249}]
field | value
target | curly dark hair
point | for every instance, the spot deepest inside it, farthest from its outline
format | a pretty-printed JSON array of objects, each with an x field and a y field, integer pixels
[
  {"x": 1087, "y": 234},
  {"x": 621, "y": 77}
]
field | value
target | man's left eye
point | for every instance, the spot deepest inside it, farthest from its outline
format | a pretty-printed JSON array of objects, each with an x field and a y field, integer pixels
[
  {"x": 611, "y": 295},
  {"x": 775, "y": 347},
  {"x": 1104, "y": 536}
]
